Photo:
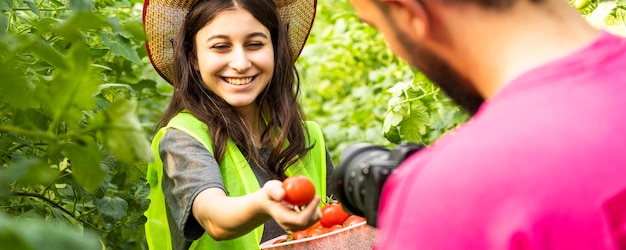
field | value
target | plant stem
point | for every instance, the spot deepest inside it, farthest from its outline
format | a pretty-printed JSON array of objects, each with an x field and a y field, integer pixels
[
  {"x": 54, "y": 204},
  {"x": 26, "y": 132},
  {"x": 411, "y": 99},
  {"x": 28, "y": 9}
]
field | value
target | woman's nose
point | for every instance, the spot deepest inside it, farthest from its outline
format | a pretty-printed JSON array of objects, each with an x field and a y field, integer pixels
[{"x": 239, "y": 60}]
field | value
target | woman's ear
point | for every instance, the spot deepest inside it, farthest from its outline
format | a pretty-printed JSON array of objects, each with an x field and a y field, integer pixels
[
  {"x": 412, "y": 13},
  {"x": 193, "y": 61}
]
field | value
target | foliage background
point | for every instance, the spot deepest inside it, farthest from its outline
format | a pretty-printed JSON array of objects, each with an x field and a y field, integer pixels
[{"x": 79, "y": 99}]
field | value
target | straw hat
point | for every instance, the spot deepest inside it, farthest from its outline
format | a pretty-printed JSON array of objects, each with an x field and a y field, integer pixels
[{"x": 163, "y": 18}]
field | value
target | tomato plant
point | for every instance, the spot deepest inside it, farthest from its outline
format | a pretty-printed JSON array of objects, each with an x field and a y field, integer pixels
[{"x": 299, "y": 190}]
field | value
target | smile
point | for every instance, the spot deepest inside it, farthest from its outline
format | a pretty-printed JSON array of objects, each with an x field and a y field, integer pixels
[{"x": 238, "y": 81}]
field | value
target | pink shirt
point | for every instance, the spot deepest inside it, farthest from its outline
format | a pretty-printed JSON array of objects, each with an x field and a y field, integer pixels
[{"x": 541, "y": 166}]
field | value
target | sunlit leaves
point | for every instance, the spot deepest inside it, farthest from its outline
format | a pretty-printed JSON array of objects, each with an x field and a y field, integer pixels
[
  {"x": 360, "y": 91},
  {"x": 345, "y": 69},
  {"x": 58, "y": 156},
  {"x": 609, "y": 15}
]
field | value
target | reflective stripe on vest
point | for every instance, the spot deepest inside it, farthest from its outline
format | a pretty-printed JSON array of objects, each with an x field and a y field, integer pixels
[{"x": 238, "y": 180}]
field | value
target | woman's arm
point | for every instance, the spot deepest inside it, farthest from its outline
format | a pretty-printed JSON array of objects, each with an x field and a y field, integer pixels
[{"x": 225, "y": 217}]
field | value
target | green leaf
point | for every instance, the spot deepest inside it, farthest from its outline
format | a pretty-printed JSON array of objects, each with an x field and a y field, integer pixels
[
  {"x": 38, "y": 234},
  {"x": 28, "y": 171},
  {"x": 81, "y": 5},
  {"x": 13, "y": 87},
  {"x": 120, "y": 130},
  {"x": 4, "y": 24},
  {"x": 419, "y": 112},
  {"x": 393, "y": 135},
  {"x": 31, "y": 118},
  {"x": 46, "y": 52},
  {"x": 84, "y": 157},
  {"x": 72, "y": 90},
  {"x": 6, "y": 6},
  {"x": 111, "y": 208},
  {"x": 411, "y": 129},
  {"x": 79, "y": 22},
  {"x": 32, "y": 7},
  {"x": 121, "y": 47}
]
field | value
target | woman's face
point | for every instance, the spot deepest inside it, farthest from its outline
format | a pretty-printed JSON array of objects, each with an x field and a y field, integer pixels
[{"x": 235, "y": 57}]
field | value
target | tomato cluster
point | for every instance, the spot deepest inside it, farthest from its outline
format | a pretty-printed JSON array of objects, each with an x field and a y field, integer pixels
[
  {"x": 333, "y": 218},
  {"x": 299, "y": 191}
]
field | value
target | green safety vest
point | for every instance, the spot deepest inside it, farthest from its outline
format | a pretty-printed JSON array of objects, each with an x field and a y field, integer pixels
[{"x": 238, "y": 180}]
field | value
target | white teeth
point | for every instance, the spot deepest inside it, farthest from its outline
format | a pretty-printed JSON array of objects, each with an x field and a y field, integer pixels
[{"x": 238, "y": 81}]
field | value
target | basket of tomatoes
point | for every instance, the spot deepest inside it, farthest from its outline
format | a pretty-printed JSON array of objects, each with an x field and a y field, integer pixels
[{"x": 335, "y": 230}]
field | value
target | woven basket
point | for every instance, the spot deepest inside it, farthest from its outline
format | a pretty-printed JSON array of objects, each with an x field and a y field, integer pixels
[{"x": 356, "y": 237}]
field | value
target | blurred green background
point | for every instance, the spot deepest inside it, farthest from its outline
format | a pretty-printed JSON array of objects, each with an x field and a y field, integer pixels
[{"x": 79, "y": 101}]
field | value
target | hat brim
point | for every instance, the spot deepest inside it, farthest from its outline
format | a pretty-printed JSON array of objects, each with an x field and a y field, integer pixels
[{"x": 163, "y": 18}]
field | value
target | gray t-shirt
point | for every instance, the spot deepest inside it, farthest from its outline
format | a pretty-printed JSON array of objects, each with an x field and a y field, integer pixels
[{"x": 189, "y": 168}]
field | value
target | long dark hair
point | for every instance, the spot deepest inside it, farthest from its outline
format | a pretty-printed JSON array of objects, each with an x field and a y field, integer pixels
[{"x": 278, "y": 101}]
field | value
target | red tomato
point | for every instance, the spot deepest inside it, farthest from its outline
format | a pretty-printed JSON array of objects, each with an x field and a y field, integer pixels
[
  {"x": 299, "y": 190},
  {"x": 317, "y": 224},
  {"x": 352, "y": 220},
  {"x": 299, "y": 235},
  {"x": 317, "y": 231},
  {"x": 336, "y": 227},
  {"x": 333, "y": 214},
  {"x": 279, "y": 241}
]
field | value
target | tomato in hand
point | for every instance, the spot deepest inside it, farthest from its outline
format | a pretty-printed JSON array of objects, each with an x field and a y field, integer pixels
[
  {"x": 352, "y": 220},
  {"x": 333, "y": 214},
  {"x": 299, "y": 190}
]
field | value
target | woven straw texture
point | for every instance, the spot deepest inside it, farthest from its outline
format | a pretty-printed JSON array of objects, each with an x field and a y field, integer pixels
[{"x": 163, "y": 18}]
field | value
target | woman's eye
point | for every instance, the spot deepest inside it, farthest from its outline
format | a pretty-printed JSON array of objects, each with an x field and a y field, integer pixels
[
  {"x": 256, "y": 45},
  {"x": 220, "y": 47}
]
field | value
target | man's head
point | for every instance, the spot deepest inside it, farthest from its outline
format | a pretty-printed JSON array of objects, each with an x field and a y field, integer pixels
[{"x": 423, "y": 33}]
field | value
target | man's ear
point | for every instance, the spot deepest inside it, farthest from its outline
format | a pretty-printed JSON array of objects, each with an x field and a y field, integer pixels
[{"x": 413, "y": 11}]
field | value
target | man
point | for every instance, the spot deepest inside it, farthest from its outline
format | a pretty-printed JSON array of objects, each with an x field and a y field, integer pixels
[{"x": 542, "y": 163}]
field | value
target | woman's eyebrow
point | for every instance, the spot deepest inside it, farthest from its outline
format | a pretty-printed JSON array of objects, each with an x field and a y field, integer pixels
[{"x": 253, "y": 34}]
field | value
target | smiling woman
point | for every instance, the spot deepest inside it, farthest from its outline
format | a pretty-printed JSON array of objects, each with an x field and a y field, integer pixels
[
  {"x": 234, "y": 128},
  {"x": 235, "y": 59}
]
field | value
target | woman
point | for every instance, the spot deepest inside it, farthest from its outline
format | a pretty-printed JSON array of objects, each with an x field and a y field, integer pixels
[{"x": 233, "y": 125}]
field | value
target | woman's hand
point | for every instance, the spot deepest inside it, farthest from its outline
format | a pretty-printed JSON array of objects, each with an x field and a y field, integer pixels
[
  {"x": 288, "y": 216},
  {"x": 224, "y": 217}
]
